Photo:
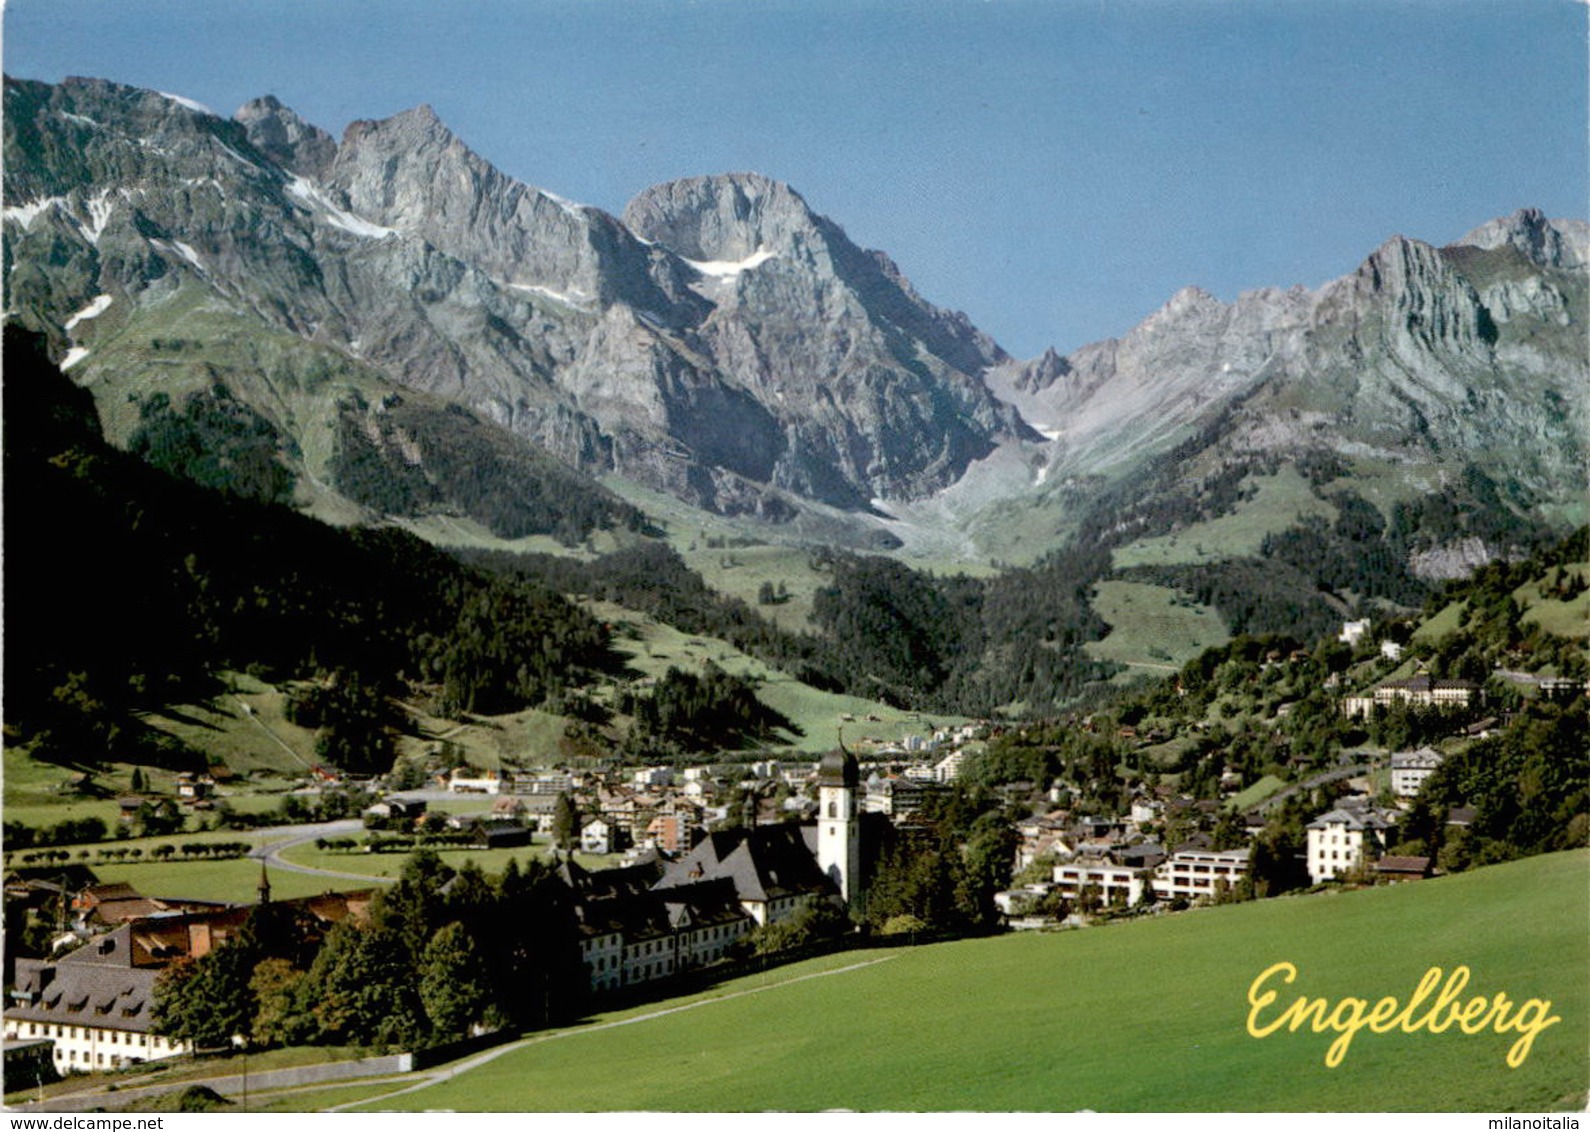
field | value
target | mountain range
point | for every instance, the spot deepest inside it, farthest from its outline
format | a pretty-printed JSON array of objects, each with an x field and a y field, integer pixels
[{"x": 387, "y": 325}]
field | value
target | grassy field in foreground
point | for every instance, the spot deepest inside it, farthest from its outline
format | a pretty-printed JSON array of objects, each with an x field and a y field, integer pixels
[{"x": 1144, "y": 1016}]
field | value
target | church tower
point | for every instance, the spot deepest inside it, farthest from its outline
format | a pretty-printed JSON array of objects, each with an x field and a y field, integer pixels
[{"x": 839, "y": 823}]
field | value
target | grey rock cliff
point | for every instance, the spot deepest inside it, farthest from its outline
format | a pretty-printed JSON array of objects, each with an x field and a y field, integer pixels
[
  {"x": 724, "y": 343},
  {"x": 1419, "y": 356}
]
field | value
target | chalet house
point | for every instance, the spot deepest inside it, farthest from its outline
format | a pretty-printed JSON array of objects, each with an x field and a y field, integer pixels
[
  {"x": 1395, "y": 870},
  {"x": 194, "y": 787},
  {"x": 623, "y": 809},
  {"x": 1040, "y": 837},
  {"x": 1144, "y": 855},
  {"x": 537, "y": 810},
  {"x": 1346, "y": 837},
  {"x": 1145, "y": 811},
  {"x": 508, "y": 808},
  {"x": 600, "y": 836},
  {"x": 399, "y": 809},
  {"x": 1409, "y": 769}
]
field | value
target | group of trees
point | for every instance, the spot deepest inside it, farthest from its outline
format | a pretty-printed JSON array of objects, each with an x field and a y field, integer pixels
[
  {"x": 962, "y": 644},
  {"x": 414, "y": 457},
  {"x": 353, "y": 719},
  {"x": 941, "y": 879},
  {"x": 685, "y": 712},
  {"x": 72, "y": 831},
  {"x": 887, "y": 632},
  {"x": 214, "y": 440},
  {"x": 1529, "y": 786},
  {"x": 441, "y": 955}
]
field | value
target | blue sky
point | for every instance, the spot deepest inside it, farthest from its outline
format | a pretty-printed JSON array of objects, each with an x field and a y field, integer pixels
[{"x": 1055, "y": 169}]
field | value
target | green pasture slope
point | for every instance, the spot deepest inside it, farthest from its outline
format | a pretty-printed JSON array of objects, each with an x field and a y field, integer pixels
[{"x": 1146, "y": 1016}]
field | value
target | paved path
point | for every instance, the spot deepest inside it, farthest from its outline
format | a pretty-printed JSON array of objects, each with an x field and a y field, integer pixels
[
  {"x": 1336, "y": 775},
  {"x": 275, "y": 738},
  {"x": 229, "y": 1084},
  {"x": 270, "y": 852}
]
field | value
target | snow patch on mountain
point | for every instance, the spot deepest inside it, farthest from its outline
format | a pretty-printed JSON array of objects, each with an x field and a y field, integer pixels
[
  {"x": 578, "y": 300},
  {"x": 99, "y": 209},
  {"x": 728, "y": 269},
  {"x": 187, "y": 103},
  {"x": 94, "y": 309},
  {"x": 569, "y": 206},
  {"x": 319, "y": 203},
  {"x": 26, "y": 214},
  {"x": 184, "y": 250}
]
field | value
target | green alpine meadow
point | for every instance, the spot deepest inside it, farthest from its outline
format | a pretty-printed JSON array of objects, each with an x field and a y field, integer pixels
[{"x": 1149, "y": 1016}]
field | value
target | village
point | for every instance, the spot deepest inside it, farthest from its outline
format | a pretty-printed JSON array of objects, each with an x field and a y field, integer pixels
[{"x": 700, "y": 857}]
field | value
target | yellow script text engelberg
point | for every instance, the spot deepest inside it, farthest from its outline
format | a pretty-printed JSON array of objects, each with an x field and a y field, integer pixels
[{"x": 1350, "y": 1015}]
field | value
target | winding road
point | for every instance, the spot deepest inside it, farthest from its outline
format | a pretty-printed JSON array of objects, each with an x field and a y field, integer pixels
[{"x": 284, "y": 837}]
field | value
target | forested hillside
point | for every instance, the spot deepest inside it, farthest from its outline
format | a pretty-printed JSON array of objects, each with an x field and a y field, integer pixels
[
  {"x": 1269, "y": 710},
  {"x": 135, "y": 588}
]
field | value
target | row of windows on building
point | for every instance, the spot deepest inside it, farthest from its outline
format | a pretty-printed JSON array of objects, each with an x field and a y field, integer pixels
[
  {"x": 84, "y": 1033},
  {"x": 71, "y": 1058}
]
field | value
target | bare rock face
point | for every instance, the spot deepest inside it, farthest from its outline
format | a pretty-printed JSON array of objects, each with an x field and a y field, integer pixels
[
  {"x": 412, "y": 174},
  {"x": 878, "y": 393},
  {"x": 1420, "y": 356},
  {"x": 287, "y": 139},
  {"x": 726, "y": 218},
  {"x": 1113, "y": 402},
  {"x": 1455, "y": 560},
  {"x": 723, "y": 342},
  {"x": 1545, "y": 243}
]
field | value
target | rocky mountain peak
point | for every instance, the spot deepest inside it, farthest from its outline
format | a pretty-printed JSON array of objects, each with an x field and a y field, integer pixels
[
  {"x": 1042, "y": 372},
  {"x": 285, "y": 138},
  {"x": 1190, "y": 304},
  {"x": 1546, "y": 243},
  {"x": 724, "y": 218},
  {"x": 411, "y": 173},
  {"x": 1421, "y": 301}
]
